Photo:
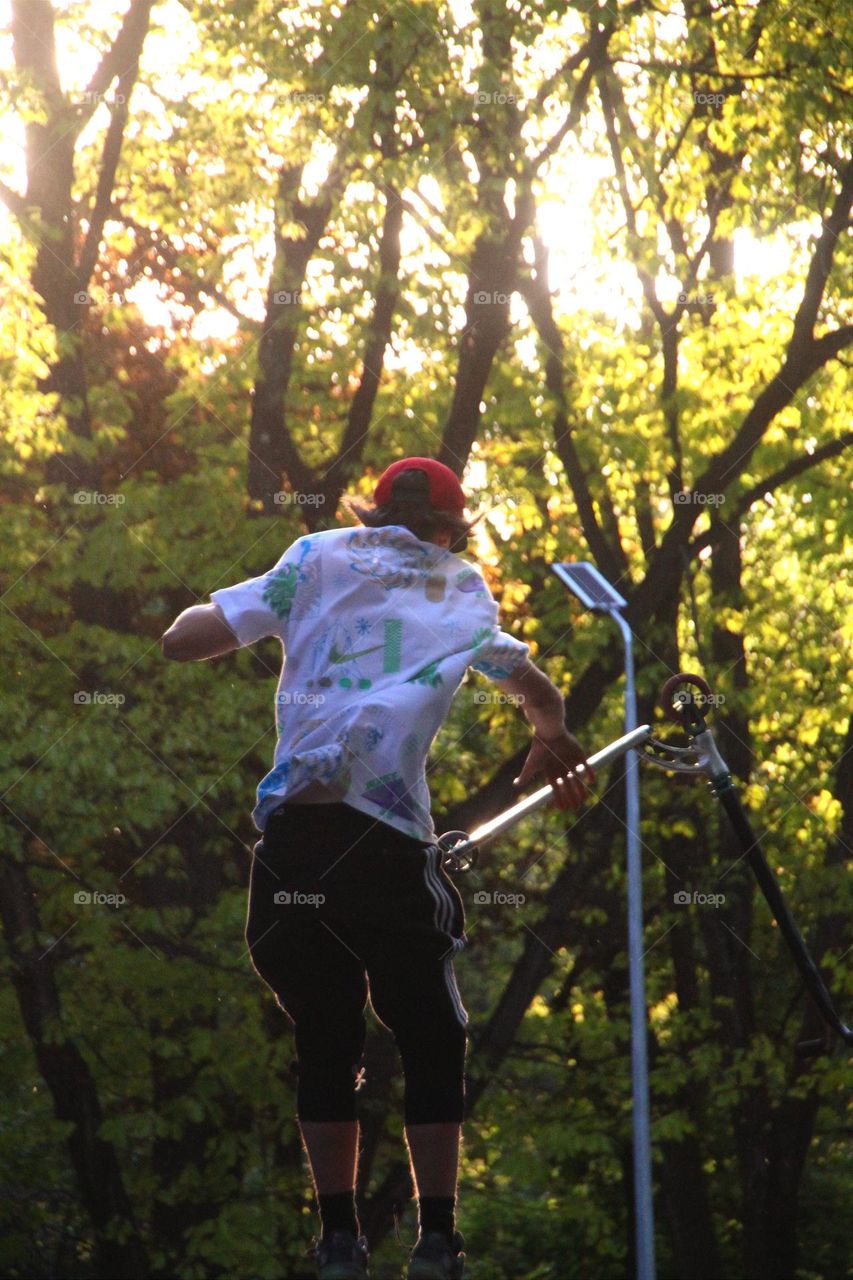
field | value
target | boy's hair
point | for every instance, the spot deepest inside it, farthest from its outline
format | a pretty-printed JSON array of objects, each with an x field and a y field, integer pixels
[{"x": 409, "y": 505}]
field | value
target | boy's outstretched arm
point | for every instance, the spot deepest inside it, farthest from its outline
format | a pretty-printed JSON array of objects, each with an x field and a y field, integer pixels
[
  {"x": 554, "y": 751},
  {"x": 199, "y": 632}
]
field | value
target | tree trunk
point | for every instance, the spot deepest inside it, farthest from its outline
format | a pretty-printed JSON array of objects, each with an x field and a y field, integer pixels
[
  {"x": 51, "y": 214},
  {"x": 271, "y": 449},
  {"x": 119, "y": 1245},
  {"x": 379, "y": 333}
]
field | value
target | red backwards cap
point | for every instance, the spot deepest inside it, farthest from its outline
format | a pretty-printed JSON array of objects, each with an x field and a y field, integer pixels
[{"x": 445, "y": 491}]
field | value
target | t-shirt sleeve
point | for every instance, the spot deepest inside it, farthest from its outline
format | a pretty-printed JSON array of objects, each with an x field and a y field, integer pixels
[
  {"x": 495, "y": 653},
  {"x": 499, "y": 654},
  {"x": 261, "y": 606}
]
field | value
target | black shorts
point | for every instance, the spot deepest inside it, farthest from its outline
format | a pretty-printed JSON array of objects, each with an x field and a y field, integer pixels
[{"x": 343, "y": 908}]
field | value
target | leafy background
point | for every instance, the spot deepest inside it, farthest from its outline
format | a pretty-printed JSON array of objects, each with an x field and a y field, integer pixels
[{"x": 251, "y": 252}]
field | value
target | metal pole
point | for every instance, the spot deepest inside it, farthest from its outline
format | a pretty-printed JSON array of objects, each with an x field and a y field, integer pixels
[
  {"x": 593, "y": 589},
  {"x": 644, "y": 1231}
]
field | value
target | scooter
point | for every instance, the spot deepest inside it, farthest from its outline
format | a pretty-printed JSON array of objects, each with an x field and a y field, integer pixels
[{"x": 682, "y": 698}]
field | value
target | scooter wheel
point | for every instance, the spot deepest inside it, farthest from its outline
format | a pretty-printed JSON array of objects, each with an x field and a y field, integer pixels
[
  {"x": 456, "y": 862},
  {"x": 673, "y": 694}
]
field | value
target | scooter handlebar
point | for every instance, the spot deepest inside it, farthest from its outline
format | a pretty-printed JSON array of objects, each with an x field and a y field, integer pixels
[{"x": 466, "y": 847}]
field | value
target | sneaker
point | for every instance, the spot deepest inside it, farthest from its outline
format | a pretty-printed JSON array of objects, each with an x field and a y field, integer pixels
[
  {"x": 339, "y": 1256},
  {"x": 436, "y": 1257}
]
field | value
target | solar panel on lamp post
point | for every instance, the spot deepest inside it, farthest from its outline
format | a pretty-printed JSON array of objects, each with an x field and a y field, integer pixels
[{"x": 593, "y": 590}]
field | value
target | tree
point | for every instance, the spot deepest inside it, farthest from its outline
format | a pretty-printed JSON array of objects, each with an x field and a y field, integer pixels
[{"x": 365, "y": 198}]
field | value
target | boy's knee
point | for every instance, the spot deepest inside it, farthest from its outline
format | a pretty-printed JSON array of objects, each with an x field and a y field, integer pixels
[
  {"x": 329, "y": 1071},
  {"x": 435, "y": 1098},
  {"x": 434, "y": 1072}
]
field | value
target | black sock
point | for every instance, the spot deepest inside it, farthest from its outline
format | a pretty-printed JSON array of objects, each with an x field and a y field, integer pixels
[
  {"x": 337, "y": 1213},
  {"x": 437, "y": 1213}
]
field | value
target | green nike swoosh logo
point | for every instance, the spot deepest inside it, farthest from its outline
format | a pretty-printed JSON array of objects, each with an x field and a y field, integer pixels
[{"x": 335, "y": 654}]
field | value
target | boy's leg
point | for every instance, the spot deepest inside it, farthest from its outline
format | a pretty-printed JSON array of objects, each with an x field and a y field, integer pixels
[
  {"x": 414, "y": 993},
  {"x": 332, "y": 1147},
  {"x": 322, "y": 987},
  {"x": 434, "y": 1149}
]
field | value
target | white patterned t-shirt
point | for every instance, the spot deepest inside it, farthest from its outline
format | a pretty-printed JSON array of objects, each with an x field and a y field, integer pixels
[{"x": 378, "y": 629}]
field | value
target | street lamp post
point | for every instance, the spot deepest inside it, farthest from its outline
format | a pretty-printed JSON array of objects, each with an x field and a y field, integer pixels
[{"x": 593, "y": 590}]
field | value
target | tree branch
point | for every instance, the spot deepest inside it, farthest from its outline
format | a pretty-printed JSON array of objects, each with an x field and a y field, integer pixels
[
  {"x": 130, "y": 41},
  {"x": 830, "y": 345},
  {"x": 191, "y": 286},
  {"x": 122, "y": 54},
  {"x": 103, "y": 195},
  {"x": 796, "y": 467},
  {"x": 595, "y": 51},
  {"x": 17, "y": 205},
  {"x": 821, "y": 263},
  {"x": 378, "y": 336},
  {"x": 610, "y": 560},
  {"x": 646, "y": 281}
]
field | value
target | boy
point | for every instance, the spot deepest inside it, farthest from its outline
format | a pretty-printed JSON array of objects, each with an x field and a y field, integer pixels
[{"x": 348, "y": 898}]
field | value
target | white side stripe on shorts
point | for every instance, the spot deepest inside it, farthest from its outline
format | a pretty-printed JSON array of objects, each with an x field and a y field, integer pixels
[
  {"x": 450, "y": 979},
  {"x": 444, "y": 904},
  {"x": 445, "y": 909}
]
